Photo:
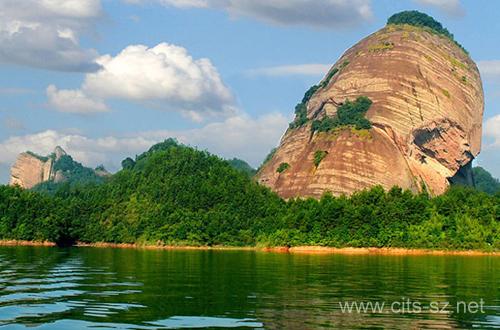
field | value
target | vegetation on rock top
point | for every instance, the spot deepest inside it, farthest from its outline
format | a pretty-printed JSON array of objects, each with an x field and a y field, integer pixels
[
  {"x": 37, "y": 156},
  {"x": 419, "y": 19}
]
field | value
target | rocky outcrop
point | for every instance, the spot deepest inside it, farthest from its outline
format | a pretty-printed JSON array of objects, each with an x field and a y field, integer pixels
[
  {"x": 31, "y": 169},
  {"x": 426, "y": 120}
]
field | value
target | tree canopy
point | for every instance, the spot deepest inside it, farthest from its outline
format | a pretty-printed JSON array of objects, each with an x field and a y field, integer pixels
[
  {"x": 178, "y": 195},
  {"x": 417, "y": 18}
]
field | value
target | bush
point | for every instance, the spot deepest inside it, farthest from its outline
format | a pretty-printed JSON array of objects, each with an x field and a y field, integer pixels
[
  {"x": 300, "y": 116},
  {"x": 319, "y": 155},
  {"x": 301, "y": 108},
  {"x": 348, "y": 114},
  {"x": 283, "y": 167}
]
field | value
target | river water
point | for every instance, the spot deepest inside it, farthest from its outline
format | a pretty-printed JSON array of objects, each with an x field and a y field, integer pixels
[{"x": 105, "y": 288}]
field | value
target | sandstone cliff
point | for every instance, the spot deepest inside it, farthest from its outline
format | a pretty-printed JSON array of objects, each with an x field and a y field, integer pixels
[
  {"x": 31, "y": 169},
  {"x": 425, "y": 119}
]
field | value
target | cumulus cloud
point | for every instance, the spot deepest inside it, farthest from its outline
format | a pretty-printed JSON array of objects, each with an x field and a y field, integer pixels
[
  {"x": 291, "y": 70},
  {"x": 492, "y": 130},
  {"x": 73, "y": 101},
  {"x": 490, "y": 68},
  {"x": 239, "y": 136},
  {"x": 450, "y": 7},
  {"x": 313, "y": 13},
  {"x": 164, "y": 76},
  {"x": 45, "y": 33}
]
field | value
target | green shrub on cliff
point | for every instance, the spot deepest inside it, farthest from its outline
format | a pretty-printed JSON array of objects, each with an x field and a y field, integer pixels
[
  {"x": 283, "y": 167},
  {"x": 301, "y": 108},
  {"x": 300, "y": 116},
  {"x": 348, "y": 114},
  {"x": 319, "y": 155}
]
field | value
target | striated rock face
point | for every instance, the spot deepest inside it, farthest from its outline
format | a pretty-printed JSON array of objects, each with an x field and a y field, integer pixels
[
  {"x": 426, "y": 120},
  {"x": 30, "y": 170}
]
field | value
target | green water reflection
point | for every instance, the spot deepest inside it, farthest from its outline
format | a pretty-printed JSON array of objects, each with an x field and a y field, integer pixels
[{"x": 84, "y": 288}]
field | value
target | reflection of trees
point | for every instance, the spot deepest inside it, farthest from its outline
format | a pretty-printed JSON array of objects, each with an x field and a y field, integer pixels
[
  {"x": 313, "y": 285},
  {"x": 279, "y": 290}
]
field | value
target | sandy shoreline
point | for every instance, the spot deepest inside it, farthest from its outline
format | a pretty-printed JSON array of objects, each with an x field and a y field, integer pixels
[
  {"x": 24, "y": 243},
  {"x": 291, "y": 250}
]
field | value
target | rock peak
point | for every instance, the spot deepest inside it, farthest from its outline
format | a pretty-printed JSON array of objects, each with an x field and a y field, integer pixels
[
  {"x": 422, "y": 129},
  {"x": 59, "y": 152}
]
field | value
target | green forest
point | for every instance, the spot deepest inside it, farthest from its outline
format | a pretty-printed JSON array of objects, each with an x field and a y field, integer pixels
[{"x": 177, "y": 195}]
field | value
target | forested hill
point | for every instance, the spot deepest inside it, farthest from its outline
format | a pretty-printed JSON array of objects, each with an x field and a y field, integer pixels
[
  {"x": 174, "y": 194},
  {"x": 484, "y": 181}
]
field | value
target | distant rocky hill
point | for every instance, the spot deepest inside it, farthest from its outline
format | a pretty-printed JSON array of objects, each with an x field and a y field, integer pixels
[
  {"x": 31, "y": 170},
  {"x": 403, "y": 107}
]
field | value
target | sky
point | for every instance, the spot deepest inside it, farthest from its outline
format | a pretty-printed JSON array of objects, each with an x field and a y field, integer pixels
[{"x": 106, "y": 79}]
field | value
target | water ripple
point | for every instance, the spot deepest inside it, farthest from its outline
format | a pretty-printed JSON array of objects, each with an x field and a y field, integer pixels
[{"x": 129, "y": 289}]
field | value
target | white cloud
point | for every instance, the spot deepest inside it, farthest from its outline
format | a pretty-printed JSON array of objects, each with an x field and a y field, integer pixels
[
  {"x": 73, "y": 101},
  {"x": 164, "y": 76},
  {"x": 450, "y": 7},
  {"x": 73, "y": 8},
  {"x": 314, "y": 13},
  {"x": 239, "y": 136},
  {"x": 291, "y": 70},
  {"x": 492, "y": 130},
  {"x": 490, "y": 68},
  {"x": 45, "y": 33}
]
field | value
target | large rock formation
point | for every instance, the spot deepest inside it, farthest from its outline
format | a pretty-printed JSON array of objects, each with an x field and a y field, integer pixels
[
  {"x": 425, "y": 119},
  {"x": 31, "y": 169}
]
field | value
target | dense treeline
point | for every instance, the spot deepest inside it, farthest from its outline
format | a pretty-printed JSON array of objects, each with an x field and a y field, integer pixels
[{"x": 173, "y": 194}]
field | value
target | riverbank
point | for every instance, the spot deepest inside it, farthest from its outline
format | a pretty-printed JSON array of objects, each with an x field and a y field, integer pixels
[
  {"x": 25, "y": 243},
  {"x": 279, "y": 249}
]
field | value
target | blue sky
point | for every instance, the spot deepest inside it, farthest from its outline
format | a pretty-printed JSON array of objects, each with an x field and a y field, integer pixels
[{"x": 105, "y": 79}]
